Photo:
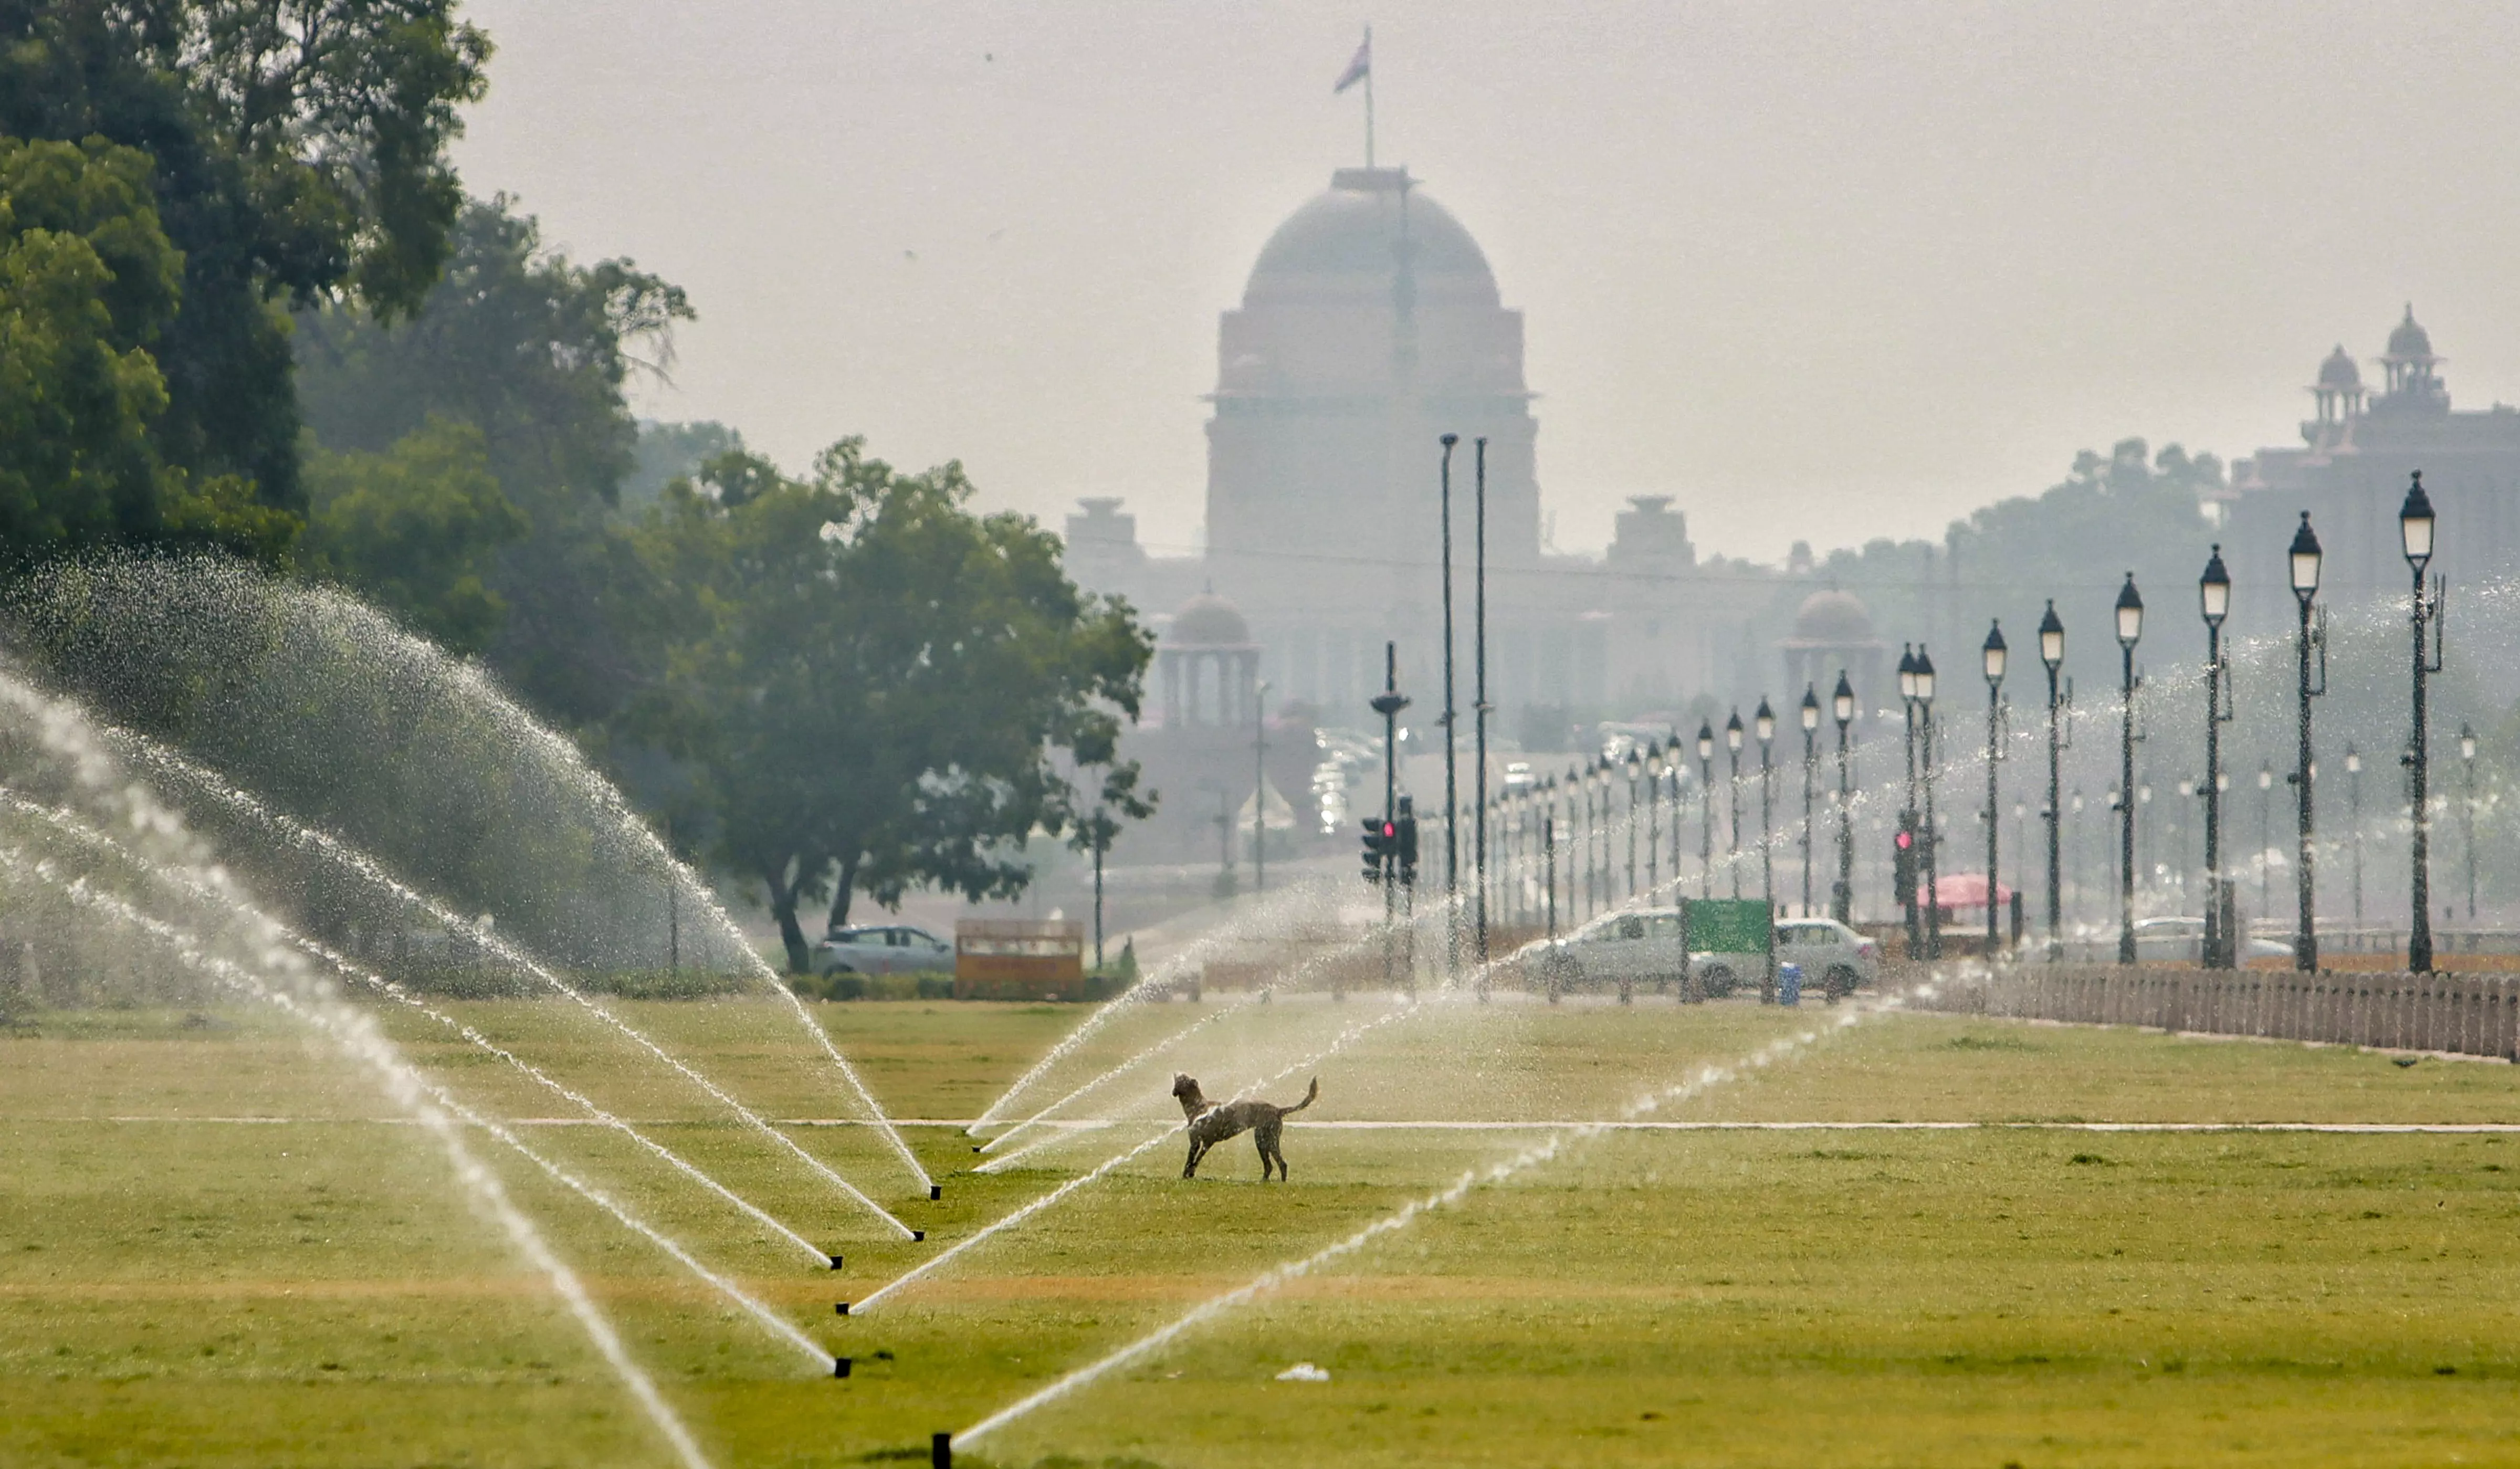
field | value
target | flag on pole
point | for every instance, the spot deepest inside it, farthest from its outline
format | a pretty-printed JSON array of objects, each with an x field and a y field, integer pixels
[{"x": 1359, "y": 67}]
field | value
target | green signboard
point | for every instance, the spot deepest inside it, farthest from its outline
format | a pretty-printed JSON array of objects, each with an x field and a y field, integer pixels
[{"x": 1726, "y": 925}]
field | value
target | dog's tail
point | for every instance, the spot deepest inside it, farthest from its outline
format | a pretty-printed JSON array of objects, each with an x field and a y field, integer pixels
[{"x": 1311, "y": 1092}]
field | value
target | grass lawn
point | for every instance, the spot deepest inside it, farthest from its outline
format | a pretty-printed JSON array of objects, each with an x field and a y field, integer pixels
[{"x": 218, "y": 1246}]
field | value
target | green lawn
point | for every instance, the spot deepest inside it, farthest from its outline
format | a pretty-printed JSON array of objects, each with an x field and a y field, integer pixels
[{"x": 181, "y": 1284}]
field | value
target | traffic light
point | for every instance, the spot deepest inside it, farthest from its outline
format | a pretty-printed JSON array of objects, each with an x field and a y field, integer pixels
[
  {"x": 1404, "y": 838},
  {"x": 1382, "y": 843}
]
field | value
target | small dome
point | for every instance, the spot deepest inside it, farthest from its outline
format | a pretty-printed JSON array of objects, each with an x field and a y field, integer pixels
[
  {"x": 1832, "y": 619},
  {"x": 2338, "y": 370},
  {"x": 1208, "y": 620},
  {"x": 1354, "y": 232},
  {"x": 2410, "y": 340}
]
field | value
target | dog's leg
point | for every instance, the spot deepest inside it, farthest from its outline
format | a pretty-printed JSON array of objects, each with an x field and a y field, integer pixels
[
  {"x": 1260, "y": 1141},
  {"x": 1189, "y": 1167}
]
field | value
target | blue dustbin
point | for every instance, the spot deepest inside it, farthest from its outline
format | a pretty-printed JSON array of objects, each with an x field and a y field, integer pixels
[{"x": 1789, "y": 984}]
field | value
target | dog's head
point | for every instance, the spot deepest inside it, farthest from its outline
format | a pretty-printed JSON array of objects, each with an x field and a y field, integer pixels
[{"x": 1186, "y": 1090}]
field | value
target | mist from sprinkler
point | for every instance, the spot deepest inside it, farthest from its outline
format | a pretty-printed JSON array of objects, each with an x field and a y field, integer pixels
[{"x": 236, "y": 905}]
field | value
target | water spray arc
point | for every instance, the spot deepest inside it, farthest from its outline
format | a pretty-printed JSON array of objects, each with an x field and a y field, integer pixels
[{"x": 353, "y": 860}]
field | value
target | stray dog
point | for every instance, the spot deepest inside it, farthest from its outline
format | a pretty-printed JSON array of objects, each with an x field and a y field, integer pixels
[{"x": 1211, "y": 1124}]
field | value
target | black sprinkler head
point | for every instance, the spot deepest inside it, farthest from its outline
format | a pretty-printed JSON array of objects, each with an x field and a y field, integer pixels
[
  {"x": 839, "y": 1366},
  {"x": 836, "y": 1262},
  {"x": 935, "y": 1192},
  {"x": 843, "y": 1308},
  {"x": 915, "y": 1235}
]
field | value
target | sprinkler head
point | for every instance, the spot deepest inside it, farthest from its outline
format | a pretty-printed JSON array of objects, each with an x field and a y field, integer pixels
[
  {"x": 836, "y": 1262},
  {"x": 976, "y": 1147},
  {"x": 843, "y": 1308},
  {"x": 917, "y": 1235},
  {"x": 839, "y": 1366},
  {"x": 940, "y": 1447},
  {"x": 935, "y": 1192}
]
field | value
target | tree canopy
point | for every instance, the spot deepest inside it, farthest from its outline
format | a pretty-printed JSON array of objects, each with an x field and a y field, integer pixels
[
  {"x": 879, "y": 689},
  {"x": 298, "y": 153}
]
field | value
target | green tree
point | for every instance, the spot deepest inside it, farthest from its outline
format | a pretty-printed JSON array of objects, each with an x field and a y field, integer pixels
[
  {"x": 88, "y": 282},
  {"x": 534, "y": 351},
  {"x": 414, "y": 529},
  {"x": 299, "y": 150},
  {"x": 881, "y": 687}
]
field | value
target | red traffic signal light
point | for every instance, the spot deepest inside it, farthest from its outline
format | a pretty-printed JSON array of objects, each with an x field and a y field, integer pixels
[{"x": 1907, "y": 839}]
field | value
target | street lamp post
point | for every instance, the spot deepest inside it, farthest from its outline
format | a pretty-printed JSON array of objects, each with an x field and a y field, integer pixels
[
  {"x": 1764, "y": 723},
  {"x": 1653, "y": 818},
  {"x": 1908, "y": 812},
  {"x": 1452, "y": 742},
  {"x": 2214, "y": 599},
  {"x": 2129, "y": 610},
  {"x": 1706, "y": 806},
  {"x": 1732, "y": 833},
  {"x": 1932, "y": 837},
  {"x": 1479, "y": 712},
  {"x": 1636, "y": 764},
  {"x": 2416, "y": 536},
  {"x": 1993, "y": 653},
  {"x": 2305, "y": 558},
  {"x": 2051, "y": 655},
  {"x": 1810, "y": 711},
  {"x": 1842, "y": 705},
  {"x": 2467, "y": 822}
]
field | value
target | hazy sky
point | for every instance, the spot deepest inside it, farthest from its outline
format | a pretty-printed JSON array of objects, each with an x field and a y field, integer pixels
[{"x": 1819, "y": 270}]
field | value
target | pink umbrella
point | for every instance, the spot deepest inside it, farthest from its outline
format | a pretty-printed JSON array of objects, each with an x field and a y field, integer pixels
[{"x": 1963, "y": 890}]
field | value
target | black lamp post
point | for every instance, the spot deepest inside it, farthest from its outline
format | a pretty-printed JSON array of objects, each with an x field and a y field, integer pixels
[
  {"x": 2051, "y": 655},
  {"x": 1842, "y": 704},
  {"x": 1452, "y": 742},
  {"x": 1653, "y": 817},
  {"x": 1764, "y": 725},
  {"x": 2416, "y": 536},
  {"x": 1635, "y": 765},
  {"x": 1706, "y": 806},
  {"x": 2467, "y": 822},
  {"x": 1733, "y": 835},
  {"x": 1993, "y": 652},
  {"x": 2214, "y": 599},
  {"x": 1908, "y": 812},
  {"x": 1810, "y": 710},
  {"x": 2305, "y": 559},
  {"x": 1932, "y": 837},
  {"x": 2129, "y": 611},
  {"x": 1679, "y": 775}
]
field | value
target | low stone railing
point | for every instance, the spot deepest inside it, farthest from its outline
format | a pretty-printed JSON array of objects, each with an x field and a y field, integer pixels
[{"x": 2475, "y": 1014}]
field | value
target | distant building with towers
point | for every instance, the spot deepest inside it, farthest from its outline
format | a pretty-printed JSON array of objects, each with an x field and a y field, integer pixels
[
  {"x": 1371, "y": 325},
  {"x": 2357, "y": 451}
]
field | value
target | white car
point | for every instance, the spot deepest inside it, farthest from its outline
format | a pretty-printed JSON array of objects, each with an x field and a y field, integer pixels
[
  {"x": 1835, "y": 958},
  {"x": 1641, "y": 947},
  {"x": 893, "y": 950}
]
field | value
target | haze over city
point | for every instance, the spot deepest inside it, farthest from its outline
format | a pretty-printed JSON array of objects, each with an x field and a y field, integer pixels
[{"x": 1873, "y": 265}]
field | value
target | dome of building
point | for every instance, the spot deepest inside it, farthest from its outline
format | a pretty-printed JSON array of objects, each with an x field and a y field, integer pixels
[
  {"x": 2410, "y": 340},
  {"x": 2338, "y": 370},
  {"x": 1832, "y": 619},
  {"x": 1351, "y": 235},
  {"x": 1208, "y": 620}
]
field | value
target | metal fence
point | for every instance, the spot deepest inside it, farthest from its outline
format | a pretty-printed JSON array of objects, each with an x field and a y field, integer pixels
[{"x": 2475, "y": 1014}]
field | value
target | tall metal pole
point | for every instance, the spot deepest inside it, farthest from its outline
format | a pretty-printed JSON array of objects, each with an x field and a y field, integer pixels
[
  {"x": 1907, "y": 813},
  {"x": 1995, "y": 655},
  {"x": 1732, "y": 831},
  {"x": 1844, "y": 699},
  {"x": 2415, "y": 523},
  {"x": 2051, "y": 654},
  {"x": 1811, "y": 757},
  {"x": 2305, "y": 560},
  {"x": 2130, "y": 614},
  {"x": 1767, "y": 729},
  {"x": 1451, "y": 787},
  {"x": 2213, "y": 594},
  {"x": 1479, "y": 706},
  {"x": 1635, "y": 765},
  {"x": 1705, "y": 810}
]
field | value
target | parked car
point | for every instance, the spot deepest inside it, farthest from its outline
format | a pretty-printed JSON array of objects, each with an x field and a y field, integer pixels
[
  {"x": 892, "y": 949},
  {"x": 1832, "y": 956},
  {"x": 1625, "y": 948},
  {"x": 2181, "y": 940}
]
